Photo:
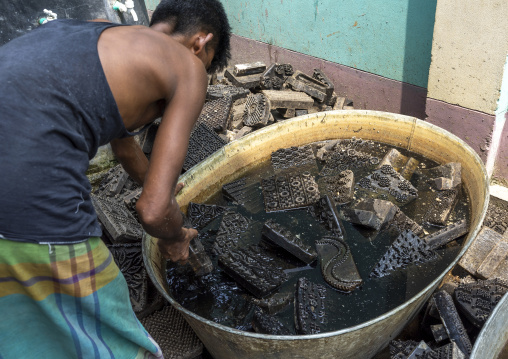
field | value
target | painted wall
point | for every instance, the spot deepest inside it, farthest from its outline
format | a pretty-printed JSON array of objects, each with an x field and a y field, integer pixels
[
  {"x": 151, "y": 4},
  {"x": 500, "y": 163},
  {"x": 469, "y": 52},
  {"x": 391, "y": 39}
]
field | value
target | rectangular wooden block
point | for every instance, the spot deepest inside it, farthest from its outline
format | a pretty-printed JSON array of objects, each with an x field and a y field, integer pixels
[
  {"x": 447, "y": 234},
  {"x": 253, "y": 269},
  {"x": 249, "y": 69},
  {"x": 486, "y": 240},
  {"x": 302, "y": 82},
  {"x": 496, "y": 257},
  {"x": 246, "y": 82},
  {"x": 288, "y": 99}
]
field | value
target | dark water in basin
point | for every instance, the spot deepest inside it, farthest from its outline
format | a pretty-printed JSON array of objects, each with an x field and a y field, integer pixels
[{"x": 218, "y": 298}]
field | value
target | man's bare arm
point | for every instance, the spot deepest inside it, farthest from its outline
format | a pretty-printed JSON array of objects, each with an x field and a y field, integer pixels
[
  {"x": 157, "y": 207},
  {"x": 131, "y": 157}
]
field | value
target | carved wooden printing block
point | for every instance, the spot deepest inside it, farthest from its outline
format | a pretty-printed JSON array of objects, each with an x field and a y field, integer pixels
[
  {"x": 215, "y": 113},
  {"x": 216, "y": 92},
  {"x": 326, "y": 213},
  {"x": 253, "y": 270},
  {"x": 275, "y": 76},
  {"x": 148, "y": 138},
  {"x": 257, "y": 111},
  {"x": 235, "y": 191},
  {"x": 230, "y": 230},
  {"x": 339, "y": 187},
  {"x": 275, "y": 303},
  {"x": 143, "y": 295},
  {"x": 117, "y": 221},
  {"x": 288, "y": 99},
  {"x": 282, "y": 237},
  {"x": 403, "y": 222},
  {"x": 439, "y": 209},
  {"x": 321, "y": 77},
  {"x": 268, "y": 324},
  {"x": 447, "y": 234},
  {"x": 310, "y": 311},
  {"x": 477, "y": 300},
  {"x": 337, "y": 264},
  {"x": 285, "y": 158},
  {"x": 343, "y": 159},
  {"x": 497, "y": 215},
  {"x": 406, "y": 166},
  {"x": 372, "y": 213},
  {"x": 289, "y": 191},
  {"x": 246, "y": 82},
  {"x": 202, "y": 143},
  {"x": 246, "y": 195},
  {"x": 452, "y": 322},
  {"x": 496, "y": 263},
  {"x": 449, "y": 351},
  {"x": 113, "y": 182},
  {"x": 408, "y": 349},
  {"x": 482, "y": 245},
  {"x": 405, "y": 250},
  {"x": 200, "y": 215},
  {"x": 315, "y": 88},
  {"x": 389, "y": 183},
  {"x": 174, "y": 336},
  {"x": 446, "y": 176}
]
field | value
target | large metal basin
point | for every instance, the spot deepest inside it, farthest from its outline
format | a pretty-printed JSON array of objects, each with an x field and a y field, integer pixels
[
  {"x": 361, "y": 341},
  {"x": 494, "y": 334}
]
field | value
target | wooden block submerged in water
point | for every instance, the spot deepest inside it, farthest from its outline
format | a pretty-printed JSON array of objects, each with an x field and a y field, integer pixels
[
  {"x": 230, "y": 231},
  {"x": 372, "y": 213},
  {"x": 406, "y": 166},
  {"x": 282, "y": 237},
  {"x": 253, "y": 269},
  {"x": 447, "y": 234},
  {"x": 405, "y": 250},
  {"x": 268, "y": 324},
  {"x": 289, "y": 191},
  {"x": 285, "y": 158},
  {"x": 402, "y": 222},
  {"x": 337, "y": 264},
  {"x": 326, "y": 213},
  {"x": 339, "y": 187},
  {"x": 310, "y": 309}
]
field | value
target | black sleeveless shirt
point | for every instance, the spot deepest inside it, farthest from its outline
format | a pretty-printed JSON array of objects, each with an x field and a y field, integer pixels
[{"x": 56, "y": 109}]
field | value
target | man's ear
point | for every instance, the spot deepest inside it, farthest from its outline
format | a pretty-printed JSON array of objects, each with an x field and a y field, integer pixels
[{"x": 199, "y": 42}]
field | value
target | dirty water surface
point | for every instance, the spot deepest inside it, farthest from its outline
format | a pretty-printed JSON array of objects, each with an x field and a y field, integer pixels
[{"x": 220, "y": 298}]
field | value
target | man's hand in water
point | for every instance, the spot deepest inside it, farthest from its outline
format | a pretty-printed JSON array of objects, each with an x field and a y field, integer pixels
[{"x": 178, "y": 251}]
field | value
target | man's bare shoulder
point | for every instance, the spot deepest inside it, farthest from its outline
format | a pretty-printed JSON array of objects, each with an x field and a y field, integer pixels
[
  {"x": 143, "y": 43},
  {"x": 143, "y": 66}
]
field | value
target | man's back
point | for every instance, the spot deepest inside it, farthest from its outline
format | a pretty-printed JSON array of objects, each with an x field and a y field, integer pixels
[{"x": 56, "y": 110}]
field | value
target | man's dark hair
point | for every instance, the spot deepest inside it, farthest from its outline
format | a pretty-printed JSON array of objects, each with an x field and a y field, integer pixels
[{"x": 189, "y": 16}]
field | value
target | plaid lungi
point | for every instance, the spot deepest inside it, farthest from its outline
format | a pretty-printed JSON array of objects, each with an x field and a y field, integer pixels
[{"x": 67, "y": 301}]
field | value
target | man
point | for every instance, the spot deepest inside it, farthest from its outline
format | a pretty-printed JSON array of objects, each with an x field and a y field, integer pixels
[{"x": 67, "y": 88}]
